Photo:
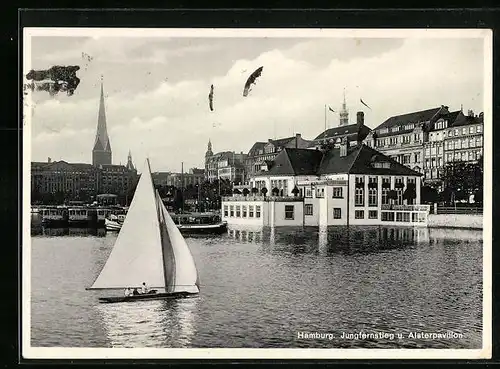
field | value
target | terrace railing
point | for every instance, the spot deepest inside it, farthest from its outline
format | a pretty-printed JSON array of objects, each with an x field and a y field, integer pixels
[
  {"x": 263, "y": 198},
  {"x": 459, "y": 210},
  {"x": 406, "y": 207}
]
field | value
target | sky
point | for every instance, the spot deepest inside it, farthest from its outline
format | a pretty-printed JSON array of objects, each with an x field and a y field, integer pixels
[{"x": 156, "y": 90}]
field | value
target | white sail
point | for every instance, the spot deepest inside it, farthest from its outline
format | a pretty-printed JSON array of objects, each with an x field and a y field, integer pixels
[
  {"x": 137, "y": 254},
  {"x": 183, "y": 277}
]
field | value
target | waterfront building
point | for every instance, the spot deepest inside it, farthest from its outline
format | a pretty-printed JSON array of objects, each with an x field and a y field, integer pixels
[
  {"x": 76, "y": 179},
  {"x": 261, "y": 154},
  {"x": 464, "y": 138},
  {"x": 101, "y": 153},
  {"x": 425, "y": 140},
  {"x": 348, "y": 185},
  {"x": 79, "y": 181},
  {"x": 194, "y": 176},
  {"x": 227, "y": 165}
]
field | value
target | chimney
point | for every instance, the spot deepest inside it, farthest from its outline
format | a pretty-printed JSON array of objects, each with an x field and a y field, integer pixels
[
  {"x": 49, "y": 160},
  {"x": 343, "y": 147},
  {"x": 360, "y": 119},
  {"x": 470, "y": 113},
  {"x": 360, "y": 122},
  {"x": 297, "y": 137}
]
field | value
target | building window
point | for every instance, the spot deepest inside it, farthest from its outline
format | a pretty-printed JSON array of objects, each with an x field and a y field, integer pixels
[
  {"x": 359, "y": 199},
  {"x": 479, "y": 129},
  {"x": 433, "y": 151},
  {"x": 244, "y": 211},
  {"x": 308, "y": 209},
  {"x": 289, "y": 212},
  {"x": 320, "y": 192},
  {"x": 440, "y": 162},
  {"x": 455, "y": 132},
  {"x": 238, "y": 211},
  {"x": 399, "y": 216},
  {"x": 257, "y": 211},
  {"x": 372, "y": 214},
  {"x": 231, "y": 211},
  {"x": 337, "y": 213},
  {"x": 337, "y": 192},
  {"x": 479, "y": 141},
  {"x": 388, "y": 216},
  {"x": 427, "y": 152},
  {"x": 372, "y": 197},
  {"x": 225, "y": 210},
  {"x": 359, "y": 214},
  {"x": 250, "y": 211},
  {"x": 440, "y": 150},
  {"x": 309, "y": 192}
]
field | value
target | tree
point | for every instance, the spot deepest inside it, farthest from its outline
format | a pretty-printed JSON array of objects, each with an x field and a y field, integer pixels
[
  {"x": 237, "y": 191},
  {"x": 246, "y": 191},
  {"x": 462, "y": 179},
  {"x": 392, "y": 195},
  {"x": 410, "y": 193},
  {"x": 295, "y": 191},
  {"x": 263, "y": 191},
  {"x": 275, "y": 191},
  {"x": 428, "y": 194},
  {"x": 178, "y": 200},
  {"x": 255, "y": 190}
]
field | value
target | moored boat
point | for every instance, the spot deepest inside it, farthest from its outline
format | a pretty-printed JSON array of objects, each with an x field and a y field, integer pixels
[
  {"x": 200, "y": 223},
  {"x": 150, "y": 250},
  {"x": 55, "y": 217}
]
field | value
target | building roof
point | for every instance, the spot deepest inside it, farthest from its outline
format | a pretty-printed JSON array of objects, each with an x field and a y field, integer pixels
[
  {"x": 256, "y": 147},
  {"x": 341, "y": 131},
  {"x": 292, "y": 161},
  {"x": 282, "y": 141},
  {"x": 415, "y": 117},
  {"x": 366, "y": 156},
  {"x": 60, "y": 164},
  {"x": 359, "y": 160},
  {"x": 465, "y": 120}
]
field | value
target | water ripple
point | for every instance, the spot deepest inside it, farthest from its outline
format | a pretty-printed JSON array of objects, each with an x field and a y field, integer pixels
[{"x": 261, "y": 288}]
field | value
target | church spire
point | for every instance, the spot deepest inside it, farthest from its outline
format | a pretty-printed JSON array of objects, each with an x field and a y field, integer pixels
[
  {"x": 130, "y": 165},
  {"x": 209, "y": 149},
  {"x": 344, "y": 113},
  {"x": 101, "y": 154}
]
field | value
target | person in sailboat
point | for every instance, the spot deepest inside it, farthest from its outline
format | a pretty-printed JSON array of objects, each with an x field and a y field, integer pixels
[
  {"x": 128, "y": 291},
  {"x": 144, "y": 288},
  {"x": 135, "y": 292}
]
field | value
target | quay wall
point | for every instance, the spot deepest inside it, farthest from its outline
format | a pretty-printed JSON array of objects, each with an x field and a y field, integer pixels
[{"x": 470, "y": 221}]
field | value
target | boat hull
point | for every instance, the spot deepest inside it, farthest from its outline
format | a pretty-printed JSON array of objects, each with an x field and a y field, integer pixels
[
  {"x": 112, "y": 226},
  {"x": 220, "y": 228},
  {"x": 146, "y": 296},
  {"x": 203, "y": 228}
]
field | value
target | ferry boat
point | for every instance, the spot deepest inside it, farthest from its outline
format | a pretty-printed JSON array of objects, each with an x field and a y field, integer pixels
[
  {"x": 78, "y": 216},
  {"x": 187, "y": 223},
  {"x": 55, "y": 217},
  {"x": 199, "y": 223}
]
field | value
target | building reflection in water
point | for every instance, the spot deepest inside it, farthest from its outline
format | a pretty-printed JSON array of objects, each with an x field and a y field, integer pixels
[
  {"x": 54, "y": 232},
  {"x": 329, "y": 240},
  {"x": 154, "y": 323}
]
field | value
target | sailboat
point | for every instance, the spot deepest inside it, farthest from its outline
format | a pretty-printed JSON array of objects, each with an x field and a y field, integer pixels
[{"x": 149, "y": 249}]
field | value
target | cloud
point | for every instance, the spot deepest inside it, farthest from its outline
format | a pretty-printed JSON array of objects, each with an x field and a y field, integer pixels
[{"x": 170, "y": 122}]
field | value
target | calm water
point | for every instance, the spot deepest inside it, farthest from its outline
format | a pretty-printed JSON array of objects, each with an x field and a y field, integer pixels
[{"x": 260, "y": 288}]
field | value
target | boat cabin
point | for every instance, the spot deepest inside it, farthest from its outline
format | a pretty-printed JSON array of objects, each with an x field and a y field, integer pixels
[{"x": 196, "y": 218}]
